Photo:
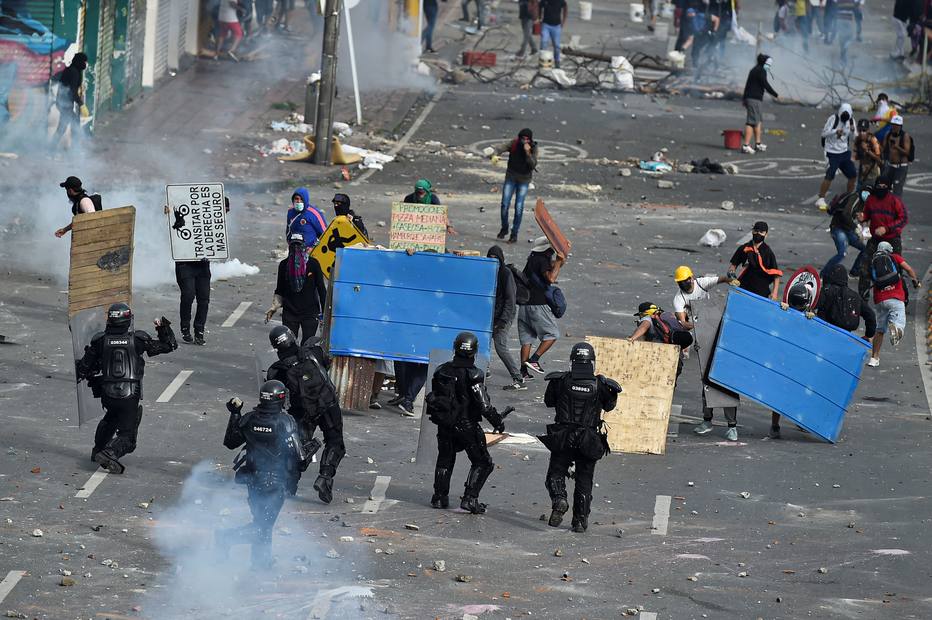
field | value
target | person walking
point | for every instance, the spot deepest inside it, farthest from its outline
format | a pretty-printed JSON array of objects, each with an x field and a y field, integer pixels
[
  {"x": 887, "y": 269},
  {"x": 300, "y": 291},
  {"x": 431, "y": 9},
  {"x": 843, "y": 228},
  {"x": 837, "y": 134},
  {"x": 304, "y": 218},
  {"x": 480, "y": 13},
  {"x": 81, "y": 201},
  {"x": 528, "y": 13},
  {"x": 886, "y": 218},
  {"x": 761, "y": 276},
  {"x": 803, "y": 21},
  {"x": 753, "y": 97},
  {"x": 503, "y": 316},
  {"x": 905, "y": 14},
  {"x": 69, "y": 99},
  {"x": 867, "y": 153},
  {"x": 522, "y": 161},
  {"x": 553, "y": 18},
  {"x": 536, "y": 320},
  {"x": 898, "y": 151},
  {"x": 845, "y": 26},
  {"x": 228, "y": 19}
]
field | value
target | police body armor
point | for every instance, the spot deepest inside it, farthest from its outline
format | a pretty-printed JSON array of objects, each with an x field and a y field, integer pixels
[
  {"x": 579, "y": 402},
  {"x": 274, "y": 452},
  {"x": 578, "y": 420},
  {"x": 121, "y": 365}
]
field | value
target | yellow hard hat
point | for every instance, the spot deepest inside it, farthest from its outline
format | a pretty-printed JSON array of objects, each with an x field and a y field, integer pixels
[{"x": 682, "y": 273}]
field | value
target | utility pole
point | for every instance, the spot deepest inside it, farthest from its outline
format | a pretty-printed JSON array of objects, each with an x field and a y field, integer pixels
[{"x": 323, "y": 127}]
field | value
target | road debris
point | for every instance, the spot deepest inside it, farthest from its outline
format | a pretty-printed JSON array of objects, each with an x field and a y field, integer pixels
[
  {"x": 440, "y": 566},
  {"x": 37, "y": 533},
  {"x": 464, "y": 578},
  {"x": 412, "y": 527},
  {"x": 744, "y": 495}
]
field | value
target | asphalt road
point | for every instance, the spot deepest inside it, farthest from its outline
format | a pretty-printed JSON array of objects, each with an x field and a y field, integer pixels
[{"x": 827, "y": 531}]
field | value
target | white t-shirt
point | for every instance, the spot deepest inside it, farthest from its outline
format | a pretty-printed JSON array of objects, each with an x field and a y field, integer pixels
[
  {"x": 228, "y": 12},
  {"x": 700, "y": 291}
]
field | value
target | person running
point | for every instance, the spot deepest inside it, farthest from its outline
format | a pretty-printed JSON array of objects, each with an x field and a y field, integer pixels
[
  {"x": 845, "y": 210},
  {"x": 761, "y": 276},
  {"x": 890, "y": 295},
  {"x": 503, "y": 315},
  {"x": 754, "y": 89},
  {"x": 886, "y": 218},
  {"x": 837, "y": 134},
  {"x": 536, "y": 320}
]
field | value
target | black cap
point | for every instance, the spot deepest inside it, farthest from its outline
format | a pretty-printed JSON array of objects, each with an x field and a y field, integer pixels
[
  {"x": 71, "y": 183},
  {"x": 644, "y": 307},
  {"x": 760, "y": 226}
]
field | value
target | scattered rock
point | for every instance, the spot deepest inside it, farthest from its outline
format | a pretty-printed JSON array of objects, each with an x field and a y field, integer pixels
[
  {"x": 36, "y": 470},
  {"x": 440, "y": 566},
  {"x": 349, "y": 500},
  {"x": 332, "y": 554},
  {"x": 631, "y": 611},
  {"x": 655, "y": 590},
  {"x": 37, "y": 533},
  {"x": 664, "y": 184},
  {"x": 625, "y": 172},
  {"x": 143, "y": 505},
  {"x": 558, "y": 553},
  {"x": 346, "y": 539},
  {"x": 412, "y": 527},
  {"x": 823, "y": 570},
  {"x": 464, "y": 578},
  {"x": 743, "y": 573},
  {"x": 66, "y": 581},
  {"x": 744, "y": 495},
  {"x": 370, "y": 460},
  {"x": 728, "y": 205},
  {"x": 692, "y": 578}
]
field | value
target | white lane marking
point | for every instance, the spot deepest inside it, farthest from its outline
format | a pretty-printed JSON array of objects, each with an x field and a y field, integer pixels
[
  {"x": 320, "y": 607},
  {"x": 920, "y": 329},
  {"x": 174, "y": 386},
  {"x": 410, "y": 133},
  {"x": 237, "y": 314},
  {"x": 661, "y": 515},
  {"x": 92, "y": 483},
  {"x": 673, "y": 425},
  {"x": 647, "y": 615},
  {"x": 377, "y": 496},
  {"x": 9, "y": 582}
]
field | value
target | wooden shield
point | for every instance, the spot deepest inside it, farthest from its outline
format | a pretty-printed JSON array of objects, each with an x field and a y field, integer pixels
[
  {"x": 101, "y": 259},
  {"x": 558, "y": 240}
]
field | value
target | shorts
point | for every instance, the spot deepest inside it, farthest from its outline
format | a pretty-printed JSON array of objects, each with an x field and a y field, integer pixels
[
  {"x": 754, "y": 115},
  {"x": 843, "y": 162},
  {"x": 536, "y": 323},
  {"x": 232, "y": 28},
  {"x": 890, "y": 311}
]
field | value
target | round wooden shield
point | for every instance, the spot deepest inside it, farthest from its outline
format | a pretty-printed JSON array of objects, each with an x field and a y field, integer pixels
[{"x": 808, "y": 276}]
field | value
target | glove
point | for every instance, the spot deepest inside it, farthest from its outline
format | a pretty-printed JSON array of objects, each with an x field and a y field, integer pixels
[
  {"x": 810, "y": 315},
  {"x": 234, "y": 405},
  {"x": 784, "y": 306},
  {"x": 734, "y": 282}
]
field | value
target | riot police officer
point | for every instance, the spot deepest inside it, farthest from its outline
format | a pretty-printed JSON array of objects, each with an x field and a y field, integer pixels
[
  {"x": 113, "y": 366},
  {"x": 456, "y": 404},
  {"x": 579, "y": 397},
  {"x": 312, "y": 402},
  {"x": 269, "y": 467}
]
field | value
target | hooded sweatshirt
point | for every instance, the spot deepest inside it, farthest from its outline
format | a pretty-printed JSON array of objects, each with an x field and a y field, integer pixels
[
  {"x": 71, "y": 79},
  {"x": 833, "y": 143},
  {"x": 505, "y": 309},
  {"x": 310, "y": 222},
  {"x": 757, "y": 81},
  {"x": 835, "y": 282}
]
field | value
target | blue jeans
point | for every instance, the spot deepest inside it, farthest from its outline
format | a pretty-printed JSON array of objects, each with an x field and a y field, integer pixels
[
  {"x": 551, "y": 33},
  {"x": 509, "y": 190},
  {"x": 844, "y": 238},
  {"x": 430, "y": 15}
]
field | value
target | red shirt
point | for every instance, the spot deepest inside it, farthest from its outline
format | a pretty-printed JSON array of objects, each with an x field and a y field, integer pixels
[
  {"x": 889, "y": 212},
  {"x": 894, "y": 291}
]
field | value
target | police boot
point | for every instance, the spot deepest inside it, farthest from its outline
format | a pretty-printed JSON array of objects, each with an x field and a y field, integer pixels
[
  {"x": 472, "y": 504},
  {"x": 580, "y": 523},
  {"x": 560, "y": 506},
  {"x": 440, "y": 501},
  {"x": 556, "y": 486},
  {"x": 324, "y": 487},
  {"x": 441, "y": 496},
  {"x": 107, "y": 459},
  {"x": 261, "y": 556},
  {"x": 581, "y": 503}
]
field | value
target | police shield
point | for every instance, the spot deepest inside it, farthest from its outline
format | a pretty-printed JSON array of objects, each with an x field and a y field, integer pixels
[{"x": 84, "y": 324}]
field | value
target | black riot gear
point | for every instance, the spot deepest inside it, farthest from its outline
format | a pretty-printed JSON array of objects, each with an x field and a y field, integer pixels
[
  {"x": 273, "y": 392},
  {"x": 465, "y": 345},
  {"x": 122, "y": 366},
  {"x": 575, "y": 437},
  {"x": 281, "y": 338},
  {"x": 119, "y": 318}
]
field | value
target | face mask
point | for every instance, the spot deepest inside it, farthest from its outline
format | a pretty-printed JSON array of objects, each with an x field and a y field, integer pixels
[
  {"x": 757, "y": 237},
  {"x": 881, "y": 192},
  {"x": 768, "y": 65},
  {"x": 299, "y": 206},
  {"x": 865, "y": 196},
  {"x": 845, "y": 117},
  {"x": 685, "y": 286}
]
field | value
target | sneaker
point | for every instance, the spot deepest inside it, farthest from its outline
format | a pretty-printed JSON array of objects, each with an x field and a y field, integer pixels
[
  {"x": 535, "y": 366},
  {"x": 703, "y": 429},
  {"x": 374, "y": 403},
  {"x": 186, "y": 335},
  {"x": 760, "y": 147},
  {"x": 396, "y": 400},
  {"x": 774, "y": 432},
  {"x": 556, "y": 515},
  {"x": 873, "y": 362},
  {"x": 502, "y": 233},
  {"x": 199, "y": 338},
  {"x": 821, "y": 204},
  {"x": 747, "y": 148},
  {"x": 896, "y": 334},
  {"x": 526, "y": 376},
  {"x": 731, "y": 434},
  {"x": 407, "y": 408},
  {"x": 516, "y": 385}
]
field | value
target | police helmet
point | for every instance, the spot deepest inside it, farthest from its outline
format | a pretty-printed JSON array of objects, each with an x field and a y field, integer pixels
[
  {"x": 798, "y": 298},
  {"x": 281, "y": 338},
  {"x": 582, "y": 353},
  {"x": 273, "y": 392},
  {"x": 119, "y": 316},
  {"x": 465, "y": 345}
]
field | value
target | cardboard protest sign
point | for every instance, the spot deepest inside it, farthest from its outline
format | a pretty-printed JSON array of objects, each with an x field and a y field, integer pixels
[
  {"x": 197, "y": 221},
  {"x": 418, "y": 227},
  {"x": 341, "y": 233},
  {"x": 558, "y": 240}
]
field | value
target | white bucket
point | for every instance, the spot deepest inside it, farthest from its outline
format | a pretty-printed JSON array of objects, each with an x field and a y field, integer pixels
[
  {"x": 546, "y": 58},
  {"x": 637, "y": 12},
  {"x": 585, "y": 11}
]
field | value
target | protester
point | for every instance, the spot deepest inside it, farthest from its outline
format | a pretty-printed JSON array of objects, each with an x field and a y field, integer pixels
[
  {"x": 836, "y": 140},
  {"x": 431, "y": 9},
  {"x": 886, "y": 218},
  {"x": 528, "y": 13},
  {"x": 845, "y": 210},
  {"x": 229, "y": 25},
  {"x": 284, "y": 12},
  {"x": 761, "y": 276},
  {"x": 655, "y": 325},
  {"x": 868, "y": 154},
  {"x": 424, "y": 194},
  {"x": 887, "y": 269},
  {"x": 898, "y": 150},
  {"x": 803, "y": 21},
  {"x": 691, "y": 288},
  {"x": 651, "y": 10},
  {"x": 753, "y": 96},
  {"x": 883, "y": 115},
  {"x": 843, "y": 307},
  {"x": 480, "y": 12},
  {"x": 536, "y": 320},
  {"x": 341, "y": 206},
  {"x": 845, "y": 26},
  {"x": 299, "y": 290},
  {"x": 70, "y": 99},
  {"x": 906, "y": 13},
  {"x": 522, "y": 161},
  {"x": 781, "y": 19},
  {"x": 553, "y": 18},
  {"x": 304, "y": 218},
  {"x": 81, "y": 202},
  {"x": 828, "y": 22},
  {"x": 503, "y": 315}
]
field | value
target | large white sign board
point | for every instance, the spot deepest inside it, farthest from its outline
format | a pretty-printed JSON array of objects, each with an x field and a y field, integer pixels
[{"x": 197, "y": 222}]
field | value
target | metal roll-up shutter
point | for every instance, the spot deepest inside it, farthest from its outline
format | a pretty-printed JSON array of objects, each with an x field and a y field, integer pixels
[
  {"x": 162, "y": 36},
  {"x": 104, "y": 55},
  {"x": 182, "y": 28},
  {"x": 135, "y": 46}
]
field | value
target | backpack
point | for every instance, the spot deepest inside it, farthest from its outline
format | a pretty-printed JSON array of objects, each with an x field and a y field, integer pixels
[
  {"x": 665, "y": 325},
  {"x": 884, "y": 272},
  {"x": 522, "y": 288},
  {"x": 99, "y": 203},
  {"x": 443, "y": 406},
  {"x": 835, "y": 126},
  {"x": 844, "y": 311},
  {"x": 556, "y": 300}
]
